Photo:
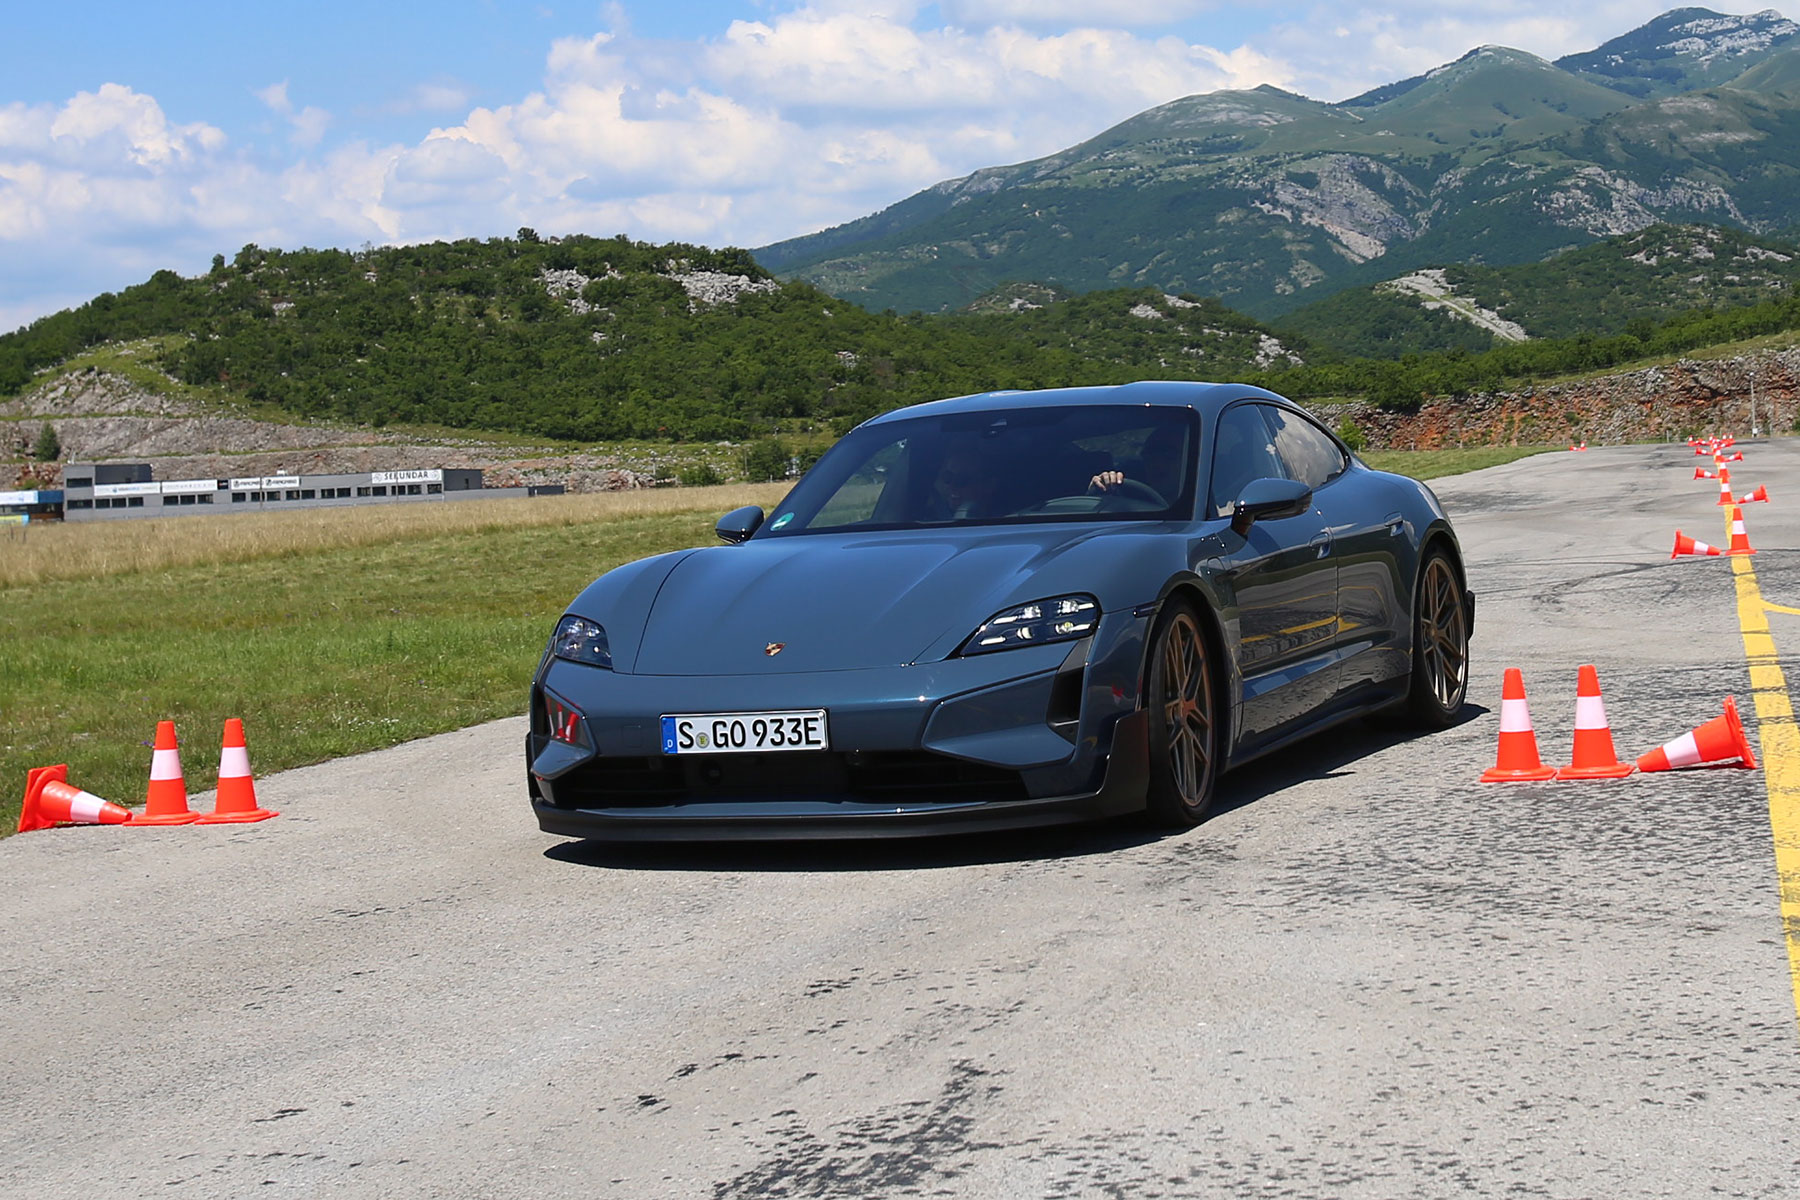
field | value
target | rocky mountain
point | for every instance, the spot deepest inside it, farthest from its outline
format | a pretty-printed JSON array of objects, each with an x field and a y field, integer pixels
[
  {"x": 1684, "y": 50},
  {"x": 1269, "y": 200}
]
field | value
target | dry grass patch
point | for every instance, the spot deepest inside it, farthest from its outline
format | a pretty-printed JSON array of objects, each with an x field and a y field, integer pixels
[{"x": 96, "y": 549}]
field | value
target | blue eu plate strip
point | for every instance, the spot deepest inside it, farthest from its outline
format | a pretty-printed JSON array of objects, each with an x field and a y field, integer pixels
[{"x": 668, "y": 734}]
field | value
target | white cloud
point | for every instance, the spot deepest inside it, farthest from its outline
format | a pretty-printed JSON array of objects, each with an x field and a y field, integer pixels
[
  {"x": 306, "y": 127},
  {"x": 434, "y": 96},
  {"x": 808, "y": 116},
  {"x": 1100, "y": 14},
  {"x": 117, "y": 120}
]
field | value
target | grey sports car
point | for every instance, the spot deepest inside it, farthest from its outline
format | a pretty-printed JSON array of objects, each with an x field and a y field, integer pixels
[{"x": 1010, "y": 609}]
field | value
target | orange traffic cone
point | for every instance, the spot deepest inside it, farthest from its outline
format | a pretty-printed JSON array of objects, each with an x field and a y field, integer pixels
[
  {"x": 1518, "y": 759},
  {"x": 236, "y": 801},
  {"x": 1724, "y": 486},
  {"x": 1715, "y": 743},
  {"x": 1703, "y": 473},
  {"x": 166, "y": 801},
  {"x": 50, "y": 798},
  {"x": 1721, "y": 457},
  {"x": 1687, "y": 545},
  {"x": 1740, "y": 540},
  {"x": 1594, "y": 757},
  {"x": 1759, "y": 496}
]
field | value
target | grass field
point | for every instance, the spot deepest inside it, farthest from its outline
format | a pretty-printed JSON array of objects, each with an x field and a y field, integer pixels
[{"x": 329, "y": 631}]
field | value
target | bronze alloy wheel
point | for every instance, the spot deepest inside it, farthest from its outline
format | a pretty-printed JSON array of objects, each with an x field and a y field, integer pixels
[
  {"x": 1441, "y": 646},
  {"x": 1184, "y": 736}
]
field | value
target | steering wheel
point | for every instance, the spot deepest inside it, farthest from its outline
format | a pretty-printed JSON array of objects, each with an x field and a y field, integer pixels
[{"x": 1132, "y": 489}]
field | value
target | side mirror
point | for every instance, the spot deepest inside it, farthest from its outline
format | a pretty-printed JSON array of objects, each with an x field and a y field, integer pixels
[
  {"x": 738, "y": 524},
  {"x": 1269, "y": 500}
]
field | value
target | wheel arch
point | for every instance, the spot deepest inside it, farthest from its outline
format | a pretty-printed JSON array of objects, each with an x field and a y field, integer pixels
[
  {"x": 1438, "y": 537},
  {"x": 1188, "y": 589}
]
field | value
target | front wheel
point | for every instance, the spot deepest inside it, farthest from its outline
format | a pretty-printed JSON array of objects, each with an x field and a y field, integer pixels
[
  {"x": 1440, "y": 655},
  {"x": 1184, "y": 735}
]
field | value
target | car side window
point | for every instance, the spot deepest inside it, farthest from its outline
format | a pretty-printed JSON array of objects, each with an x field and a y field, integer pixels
[
  {"x": 1243, "y": 450},
  {"x": 1311, "y": 455}
]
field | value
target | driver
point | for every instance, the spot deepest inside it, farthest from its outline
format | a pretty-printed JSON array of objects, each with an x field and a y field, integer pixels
[
  {"x": 1158, "y": 465},
  {"x": 964, "y": 486}
]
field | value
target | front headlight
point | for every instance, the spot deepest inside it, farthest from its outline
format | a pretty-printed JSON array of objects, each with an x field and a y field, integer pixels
[
  {"x": 1061, "y": 619},
  {"x": 581, "y": 640}
]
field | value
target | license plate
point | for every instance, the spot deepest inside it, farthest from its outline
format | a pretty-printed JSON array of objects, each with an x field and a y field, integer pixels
[{"x": 744, "y": 733}]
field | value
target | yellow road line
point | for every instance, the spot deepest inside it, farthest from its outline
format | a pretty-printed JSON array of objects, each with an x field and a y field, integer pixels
[
  {"x": 1780, "y": 752},
  {"x": 1781, "y": 608}
]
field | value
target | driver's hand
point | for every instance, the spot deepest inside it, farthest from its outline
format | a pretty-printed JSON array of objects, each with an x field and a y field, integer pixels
[{"x": 1105, "y": 481}]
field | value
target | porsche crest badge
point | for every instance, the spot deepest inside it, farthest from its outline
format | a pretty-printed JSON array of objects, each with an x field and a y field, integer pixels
[{"x": 774, "y": 648}]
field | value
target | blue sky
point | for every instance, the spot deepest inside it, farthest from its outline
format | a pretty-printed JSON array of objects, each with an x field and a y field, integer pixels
[{"x": 138, "y": 137}]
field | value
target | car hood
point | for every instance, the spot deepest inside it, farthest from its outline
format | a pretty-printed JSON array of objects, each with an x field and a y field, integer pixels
[{"x": 839, "y": 602}]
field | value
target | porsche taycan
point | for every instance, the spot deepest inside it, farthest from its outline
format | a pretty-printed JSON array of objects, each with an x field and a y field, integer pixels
[{"x": 1007, "y": 609}]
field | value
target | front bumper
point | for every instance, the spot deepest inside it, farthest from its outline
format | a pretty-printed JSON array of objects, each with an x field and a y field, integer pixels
[{"x": 1020, "y": 738}]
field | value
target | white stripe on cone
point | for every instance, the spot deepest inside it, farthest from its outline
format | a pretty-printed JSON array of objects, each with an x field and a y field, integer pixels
[
  {"x": 1515, "y": 717},
  {"x": 234, "y": 762},
  {"x": 86, "y": 807},
  {"x": 1590, "y": 712},
  {"x": 1682, "y": 752},
  {"x": 165, "y": 764}
]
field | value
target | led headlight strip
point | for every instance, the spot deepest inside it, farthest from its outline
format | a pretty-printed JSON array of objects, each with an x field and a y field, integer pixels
[
  {"x": 581, "y": 640},
  {"x": 1059, "y": 619}
]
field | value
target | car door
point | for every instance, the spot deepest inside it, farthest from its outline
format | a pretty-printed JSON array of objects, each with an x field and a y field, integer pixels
[
  {"x": 1365, "y": 527},
  {"x": 1283, "y": 580}
]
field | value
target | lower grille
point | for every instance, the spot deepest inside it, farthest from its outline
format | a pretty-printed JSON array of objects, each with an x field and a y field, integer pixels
[{"x": 873, "y": 777}]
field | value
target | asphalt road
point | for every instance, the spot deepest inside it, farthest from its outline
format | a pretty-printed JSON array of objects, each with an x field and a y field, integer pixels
[{"x": 1368, "y": 975}]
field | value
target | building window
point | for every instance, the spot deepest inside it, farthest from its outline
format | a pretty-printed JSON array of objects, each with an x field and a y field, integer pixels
[
  {"x": 308, "y": 494},
  {"x": 74, "y": 483},
  {"x": 239, "y": 497},
  {"x": 378, "y": 491},
  {"x": 134, "y": 502},
  {"x": 433, "y": 489}
]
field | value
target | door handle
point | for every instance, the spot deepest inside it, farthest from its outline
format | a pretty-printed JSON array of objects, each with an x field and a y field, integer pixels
[
  {"x": 1396, "y": 524},
  {"x": 1323, "y": 542}
]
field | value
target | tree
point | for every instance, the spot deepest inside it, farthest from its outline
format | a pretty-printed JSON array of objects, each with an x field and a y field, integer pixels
[
  {"x": 49, "y": 446},
  {"x": 766, "y": 461}
]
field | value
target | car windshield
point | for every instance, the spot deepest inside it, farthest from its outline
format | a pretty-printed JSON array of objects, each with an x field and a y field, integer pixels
[{"x": 1064, "y": 463}]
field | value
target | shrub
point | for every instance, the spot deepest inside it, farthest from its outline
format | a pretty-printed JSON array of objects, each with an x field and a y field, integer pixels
[
  {"x": 766, "y": 460},
  {"x": 699, "y": 475},
  {"x": 49, "y": 446}
]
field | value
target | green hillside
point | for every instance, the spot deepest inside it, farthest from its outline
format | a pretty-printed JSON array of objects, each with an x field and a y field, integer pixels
[
  {"x": 593, "y": 339},
  {"x": 1626, "y": 283}
]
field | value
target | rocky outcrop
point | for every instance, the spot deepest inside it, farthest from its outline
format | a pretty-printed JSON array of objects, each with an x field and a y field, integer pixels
[
  {"x": 103, "y": 417},
  {"x": 1668, "y": 403}
]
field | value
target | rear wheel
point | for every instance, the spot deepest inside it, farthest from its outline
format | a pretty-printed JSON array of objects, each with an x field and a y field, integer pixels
[
  {"x": 1440, "y": 656},
  {"x": 1184, "y": 735}
]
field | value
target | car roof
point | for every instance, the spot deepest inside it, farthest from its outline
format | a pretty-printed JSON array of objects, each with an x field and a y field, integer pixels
[{"x": 1205, "y": 398}]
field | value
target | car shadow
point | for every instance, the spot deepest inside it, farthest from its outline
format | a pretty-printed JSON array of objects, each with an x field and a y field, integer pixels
[
  {"x": 1323, "y": 757},
  {"x": 863, "y": 854}
]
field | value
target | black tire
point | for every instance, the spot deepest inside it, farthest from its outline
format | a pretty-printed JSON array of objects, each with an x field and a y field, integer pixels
[
  {"x": 1184, "y": 729},
  {"x": 1440, "y": 654}
]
